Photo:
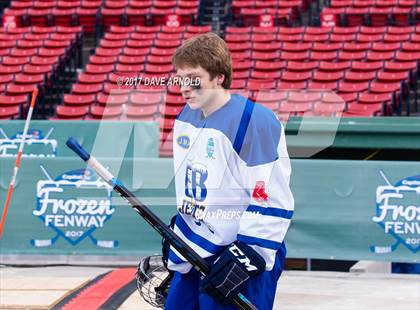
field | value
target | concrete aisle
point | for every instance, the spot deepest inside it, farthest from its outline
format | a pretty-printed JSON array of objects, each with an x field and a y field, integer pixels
[{"x": 42, "y": 287}]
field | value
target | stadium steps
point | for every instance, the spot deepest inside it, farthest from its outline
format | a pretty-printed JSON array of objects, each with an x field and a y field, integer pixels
[
  {"x": 214, "y": 13},
  {"x": 3, "y": 4}
]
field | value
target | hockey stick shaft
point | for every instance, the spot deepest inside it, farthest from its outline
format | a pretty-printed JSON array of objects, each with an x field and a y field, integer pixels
[
  {"x": 17, "y": 162},
  {"x": 240, "y": 301}
]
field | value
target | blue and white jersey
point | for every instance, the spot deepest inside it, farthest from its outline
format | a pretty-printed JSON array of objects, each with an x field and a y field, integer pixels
[{"x": 232, "y": 175}]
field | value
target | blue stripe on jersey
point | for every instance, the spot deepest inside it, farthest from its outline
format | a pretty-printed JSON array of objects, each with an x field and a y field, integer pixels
[
  {"x": 257, "y": 144},
  {"x": 175, "y": 258},
  {"x": 243, "y": 126},
  {"x": 197, "y": 239},
  {"x": 286, "y": 214},
  {"x": 264, "y": 243}
]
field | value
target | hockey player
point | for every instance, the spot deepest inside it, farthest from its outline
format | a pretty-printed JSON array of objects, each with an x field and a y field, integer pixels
[{"x": 232, "y": 176}]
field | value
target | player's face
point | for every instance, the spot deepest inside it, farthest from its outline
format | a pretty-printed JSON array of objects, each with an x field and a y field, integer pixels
[{"x": 198, "y": 98}]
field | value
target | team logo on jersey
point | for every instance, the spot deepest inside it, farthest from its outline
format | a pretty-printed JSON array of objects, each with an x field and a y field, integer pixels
[
  {"x": 70, "y": 207},
  {"x": 195, "y": 178},
  {"x": 259, "y": 193},
  {"x": 36, "y": 145},
  {"x": 398, "y": 213},
  {"x": 183, "y": 141},
  {"x": 210, "y": 148},
  {"x": 195, "y": 193}
]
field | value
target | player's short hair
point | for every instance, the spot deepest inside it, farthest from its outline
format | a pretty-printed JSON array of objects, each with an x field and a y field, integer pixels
[{"x": 208, "y": 51}]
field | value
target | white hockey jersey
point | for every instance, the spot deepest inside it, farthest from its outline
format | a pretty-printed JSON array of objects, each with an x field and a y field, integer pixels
[{"x": 232, "y": 175}]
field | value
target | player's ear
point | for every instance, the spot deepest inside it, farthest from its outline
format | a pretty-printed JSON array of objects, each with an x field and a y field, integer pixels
[{"x": 220, "y": 79}]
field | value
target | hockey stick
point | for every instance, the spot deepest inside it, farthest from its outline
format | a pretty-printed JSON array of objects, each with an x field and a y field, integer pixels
[
  {"x": 17, "y": 162},
  {"x": 240, "y": 301},
  {"x": 104, "y": 243},
  {"x": 384, "y": 249},
  {"x": 44, "y": 242}
]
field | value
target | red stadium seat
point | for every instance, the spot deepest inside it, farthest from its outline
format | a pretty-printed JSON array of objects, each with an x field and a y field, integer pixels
[
  {"x": 143, "y": 98},
  {"x": 9, "y": 112},
  {"x": 303, "y": 97},
  {"x": 295, "y": 107},
  {"x": 254, "y": 84},
  {"x": 265, "y": 56},
  {"x": 109, "y": 112},
  {"x": 380, "y": 87},
  {"x": 357, "y": 76},
  {"x": 9, "y": 100},
  {"x": 358, "y": 110},
  {"x": 71, "y": 112},
  {"x": 19, "y": 89},
  {"x": 323, "y": 55},
  {"x": 350, "y": 87},
  {"x": 343, "y": 55},
  {"x": 390, "y": 38},
  {"x": 407, "y": 56},
  {"x": 6, "y": 78},
  {"x": 122, "y": 59},
  {"x": 392, "y": 77},
  {"x": 371, "y": 98},
  {"x": 356, "y": 46},
  {"x": 87, "y": 78},
  {"x": 269, "y": 75},
  {"x": 326, "y": 47},
  {"x": 399, "y": 66},
  {"x": 385, "y": 47},
  {"x": 334, "y": 66},
  {"x": 99, "y": 69},
  {"x": 29, "y": 79},
  {"x": 258, "y": 46},
  {"x": 366, "y": 66},
  {"x": 292, "y": 76},
  {"x": 296, "y": 47},
  {"x": 284, "y": 85},
  {"x": 315, "y": 85},
  {"x": 301, "y": 66},
  {"x": 339, "y": 38},
  {"x": 86, "y": 88},
  {"x": 78, "y": 100},
  {"x": 102, "y": 60},
  {"x": 147, "y": 112},
  {"x": 295, "y": 56},
  {"x": 268, "y": 65},
  {"x": 378, "y": 56},
  {"x": 10, "y": 69},
  {"x": 327, "y": 77},
  {"x": 15, "y": 61}
]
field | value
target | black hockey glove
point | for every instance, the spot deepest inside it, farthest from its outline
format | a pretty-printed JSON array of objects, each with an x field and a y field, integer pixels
[
  {"x": 166, "y": 245},
  {"x": 231, "y": 270}
]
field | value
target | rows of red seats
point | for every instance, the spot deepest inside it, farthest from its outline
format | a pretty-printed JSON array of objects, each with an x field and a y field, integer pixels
[
  {"x": 358, "y": 71},
  {"x": 136, "y": 12},
  {"x": 124, "y": 52},
  {"x": 283, "y": 103},
  {"x": 55, "y": 12},
  {"x": 374, "y": 16},
  {"x": 86, "y": 12},
  {"x": 324, "y": 35},
  {"x": 249, "y": 12},
  {"x": 372, "y": 3},
  {"x": 31, "y": 58}
]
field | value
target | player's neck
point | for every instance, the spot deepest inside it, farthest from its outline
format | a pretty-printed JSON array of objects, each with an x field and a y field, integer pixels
[{"x": 219, "y": 101}]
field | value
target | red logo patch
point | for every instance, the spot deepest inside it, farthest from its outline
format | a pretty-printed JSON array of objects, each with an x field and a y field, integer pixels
[{"x": 259, "y": 193}]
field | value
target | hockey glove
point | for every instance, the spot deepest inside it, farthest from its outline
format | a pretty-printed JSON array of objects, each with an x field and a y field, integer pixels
[
  {"x": 166, "y": 245},
  {"x": 231, "y": 270}
]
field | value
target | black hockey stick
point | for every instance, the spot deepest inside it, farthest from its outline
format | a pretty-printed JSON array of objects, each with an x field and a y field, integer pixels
[{"x": 240, "y": 301}]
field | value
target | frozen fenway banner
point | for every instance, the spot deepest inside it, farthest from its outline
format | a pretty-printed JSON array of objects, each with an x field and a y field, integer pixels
[
  {"x": 47, "y": 138},
  {"x": 348, "y": 210}
]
